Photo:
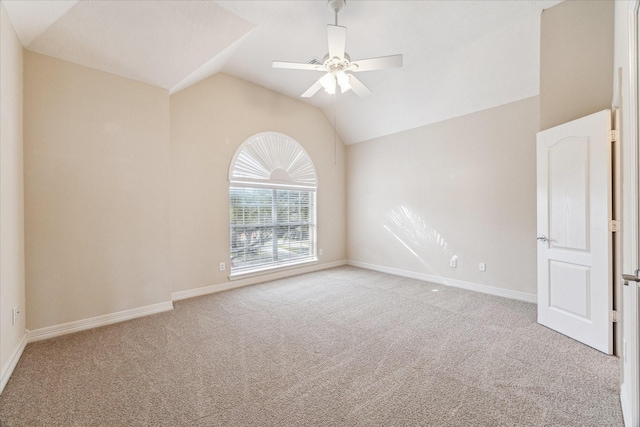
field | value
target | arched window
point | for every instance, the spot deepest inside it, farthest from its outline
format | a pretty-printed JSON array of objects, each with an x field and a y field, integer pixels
[{"x": 272, "y": 195}]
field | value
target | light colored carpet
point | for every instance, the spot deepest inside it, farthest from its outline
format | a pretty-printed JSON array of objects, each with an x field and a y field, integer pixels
[{"x": 340, "y": 347}]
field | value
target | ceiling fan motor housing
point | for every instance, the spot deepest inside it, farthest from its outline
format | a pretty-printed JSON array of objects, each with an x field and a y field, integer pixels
[{"x": 333, "y": 65}]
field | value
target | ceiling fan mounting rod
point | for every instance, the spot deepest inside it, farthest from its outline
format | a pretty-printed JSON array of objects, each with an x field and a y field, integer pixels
[{"x": 336, "y": 6}]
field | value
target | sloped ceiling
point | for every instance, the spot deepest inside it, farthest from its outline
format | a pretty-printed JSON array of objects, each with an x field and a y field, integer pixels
[{"x": 459, "y": 56}]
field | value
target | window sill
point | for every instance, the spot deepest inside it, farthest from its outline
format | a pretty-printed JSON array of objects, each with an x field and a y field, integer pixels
[{"x": 273, "y": 269}]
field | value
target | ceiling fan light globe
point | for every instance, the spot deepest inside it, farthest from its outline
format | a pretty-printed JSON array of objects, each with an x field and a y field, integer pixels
[
  {"x": 343, "y": 81},
  {"x": 328, "y": 82}
]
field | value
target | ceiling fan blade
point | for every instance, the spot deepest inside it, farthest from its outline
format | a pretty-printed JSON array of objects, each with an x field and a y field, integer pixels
[
  {"x": 313, "y": 89},
  {"x": 337, "y": 39},
  {"x": 356, "y": 85},
  {"x": 393, "y": 61},
  {"x": 298, "y": 66}
]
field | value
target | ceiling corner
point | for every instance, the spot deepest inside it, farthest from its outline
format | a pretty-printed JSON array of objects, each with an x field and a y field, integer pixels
[{"x": 31, "y": 18}]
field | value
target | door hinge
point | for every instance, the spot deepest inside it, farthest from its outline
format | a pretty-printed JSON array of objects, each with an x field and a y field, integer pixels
[
  {"x": 614, "y": 135},
  {"x": 614, "y": 316},
  {"x": 614, "y": 225}
]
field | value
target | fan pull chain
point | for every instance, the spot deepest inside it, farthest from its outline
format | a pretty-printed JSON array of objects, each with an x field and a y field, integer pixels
[{"x": 335, "y": 129}]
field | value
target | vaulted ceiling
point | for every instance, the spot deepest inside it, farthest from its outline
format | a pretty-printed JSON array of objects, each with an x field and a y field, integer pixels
[{"x": 459, "y": 56}]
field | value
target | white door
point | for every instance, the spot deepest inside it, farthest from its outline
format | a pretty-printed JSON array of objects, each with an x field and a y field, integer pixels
[{"x": 574, "y": 241}]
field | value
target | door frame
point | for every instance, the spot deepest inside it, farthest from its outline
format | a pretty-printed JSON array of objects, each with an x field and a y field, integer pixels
[{"x": 630, "y": 358}]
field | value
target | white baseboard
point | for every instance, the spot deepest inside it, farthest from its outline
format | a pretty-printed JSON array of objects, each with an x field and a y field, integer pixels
[
  {"x": 11, "y": 364},
  {"x": 205, "y": 290},
  {"x": 94, "y": 322},
  {"x": 506, "y": 293}
]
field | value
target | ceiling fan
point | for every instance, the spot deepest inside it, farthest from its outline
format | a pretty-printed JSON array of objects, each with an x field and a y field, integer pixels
[{"x": 337, "y": 62}]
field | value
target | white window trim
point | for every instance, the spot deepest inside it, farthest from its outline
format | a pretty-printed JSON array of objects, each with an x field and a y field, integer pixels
[
  {"x": 273, "y": 269},
  {"x": 274, "y": 185}
]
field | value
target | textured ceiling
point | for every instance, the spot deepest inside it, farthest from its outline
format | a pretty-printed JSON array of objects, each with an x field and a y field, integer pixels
[{"x": 459, "y": 56}]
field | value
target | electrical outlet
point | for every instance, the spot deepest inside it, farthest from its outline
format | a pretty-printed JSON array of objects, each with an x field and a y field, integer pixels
[
  {"x": 14, "y": 315},
  {"x": 222, "y": 266},
  {"x": 482, "y": 266},
  {"x": 453, "y": 262},
  {"x": 321, "y": 252}
]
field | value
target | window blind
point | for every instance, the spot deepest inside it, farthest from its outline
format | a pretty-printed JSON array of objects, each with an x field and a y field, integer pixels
[{"x": 271, "y": 227}]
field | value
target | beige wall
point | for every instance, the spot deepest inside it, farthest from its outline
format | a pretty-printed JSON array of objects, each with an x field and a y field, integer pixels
[
  {"x": 12, "y": 282},
  {"x": 576, "y": 60},
  {"x": 97, "y": 172},
  {"x": 209, "y": 121},
  {"x": 464, "y": 187}
]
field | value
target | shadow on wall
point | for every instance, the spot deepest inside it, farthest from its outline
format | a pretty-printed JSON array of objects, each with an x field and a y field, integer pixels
[{"x": 416, "y": 235}]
